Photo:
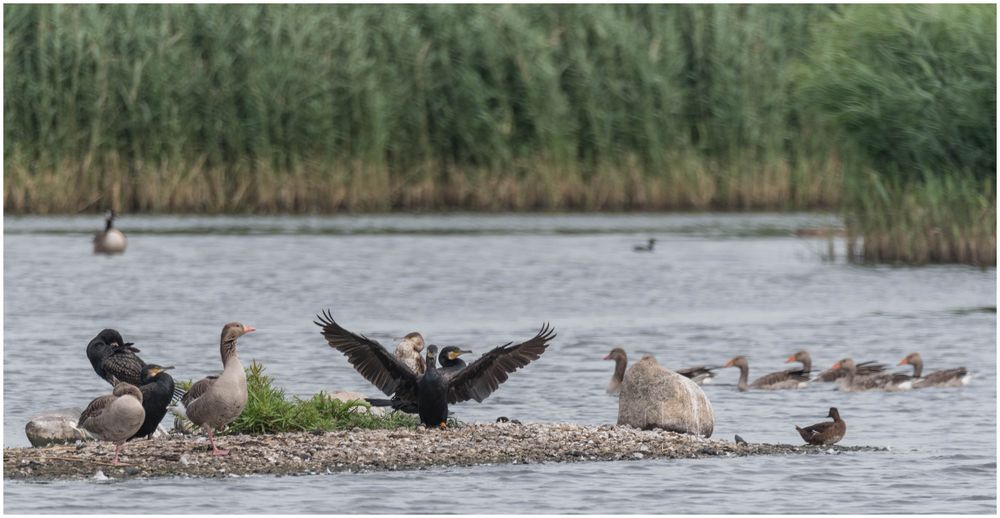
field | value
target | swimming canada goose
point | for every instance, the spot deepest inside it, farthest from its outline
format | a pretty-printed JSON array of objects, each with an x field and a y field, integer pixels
[
  {"x": 216, "y": 401},
  {"x": 115, "y": 417},
  {"x": 432, "y": 391},
  {"x": 111, "y": 240}
]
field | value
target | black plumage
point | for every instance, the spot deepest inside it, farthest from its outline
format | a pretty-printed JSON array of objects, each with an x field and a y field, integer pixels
[
  {"x": 157, "y": 392},
  {"x": 450, "y": 364},
  {"x": 114, "y": 359},
  {"x": 432, "y": 391}
]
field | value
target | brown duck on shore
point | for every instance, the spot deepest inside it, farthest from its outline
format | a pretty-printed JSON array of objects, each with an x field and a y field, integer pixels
[
  {"x": 825, "y": 433},
  {"x": 699, "y": 375},
  {"x": 111, "y": 240},
  {"x": 956, "y": 377},
  {"x": 853, "y": 382},
  {"x": 115, "y": 417},
  {"x": 790, "y": 379},
  {"x": 216, "y": 401},
  {"x": 408, "y": 351}
]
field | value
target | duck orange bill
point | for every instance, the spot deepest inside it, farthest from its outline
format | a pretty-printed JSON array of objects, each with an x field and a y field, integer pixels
[
  {"x": 790, "y": 359},
  {"x": 902, "y": 362},
  {"x": 248, "y": 329}
]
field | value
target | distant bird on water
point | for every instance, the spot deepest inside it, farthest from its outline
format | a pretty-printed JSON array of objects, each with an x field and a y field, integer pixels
[
  {"x": 216, "y": 401},
  {"x": 432, "y": 391},
  {"x": 956, "y": 377},
  {"x": 111, "y": 241},
  {"x": 648, "y": 247},
  {"x": 114, "y": 417},
  {"x": 825, "y": 433},
  {"x": 700, "y": 375},
  {"x": 789, "y": 379}
]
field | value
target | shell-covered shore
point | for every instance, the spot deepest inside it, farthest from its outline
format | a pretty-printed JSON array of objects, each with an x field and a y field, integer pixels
[{"x": 374, "y": 450}]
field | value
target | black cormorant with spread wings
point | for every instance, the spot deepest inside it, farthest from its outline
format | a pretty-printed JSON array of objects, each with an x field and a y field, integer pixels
[{"x": 432, "y": 391}]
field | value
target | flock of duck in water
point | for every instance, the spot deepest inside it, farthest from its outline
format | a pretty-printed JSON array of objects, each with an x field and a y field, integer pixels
[{"x": 417, "y": 382}]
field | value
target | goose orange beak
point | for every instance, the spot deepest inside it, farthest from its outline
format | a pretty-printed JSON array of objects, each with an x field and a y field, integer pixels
[
  {"x": 902, "y": 362},
  {"x": 836, "y": 366},
  {"x": 728, "y": 364},
  {"x": 607, "y": 357},
  {"x": 248, "y": 329},
  {"x": 790, "y": 359}
]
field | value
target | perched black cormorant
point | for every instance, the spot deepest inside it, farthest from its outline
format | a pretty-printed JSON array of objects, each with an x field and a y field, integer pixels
[
  {"x": 157, "y": 391},
  {"x": 114, "y": 359},
  {"x": 450, "y": 364},
  {"x": 432, "y": 391}
]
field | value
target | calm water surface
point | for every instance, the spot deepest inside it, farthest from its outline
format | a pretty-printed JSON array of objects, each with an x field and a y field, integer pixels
[{"x": 717, "y": 286}]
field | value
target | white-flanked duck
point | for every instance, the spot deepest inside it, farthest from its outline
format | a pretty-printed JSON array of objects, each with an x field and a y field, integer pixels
[
  {"x": 111, "y": 240},
  {"x": 700, "y": 375},
  {"x": 216, "y": 401},
  {"x": 789, "y": 379},
  {"x": 432, "y": 391},
  {"x": 956, "y": 377},
  {"x": 825, "y": 433},
  {"x": 114, "y": 417},
  {"x": 408, "y": 351},
  {"x": 853, "y": 382}
]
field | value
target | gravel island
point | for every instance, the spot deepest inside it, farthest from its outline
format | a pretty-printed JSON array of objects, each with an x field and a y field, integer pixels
[{"x": 374, "y": 450}]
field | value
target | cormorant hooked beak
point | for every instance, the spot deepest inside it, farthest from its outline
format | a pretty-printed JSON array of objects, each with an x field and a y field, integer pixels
[{"x": 455, "y": 354}]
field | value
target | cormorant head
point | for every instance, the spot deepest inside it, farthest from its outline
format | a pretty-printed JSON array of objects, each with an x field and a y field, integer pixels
[
  {"x": 432, "y": 351},
  {"x": 449, "y": 355},
  {"x": 113, "y": 338},
  {"x": 617, "y": 354},
  {"x": 151, "y": 371}
]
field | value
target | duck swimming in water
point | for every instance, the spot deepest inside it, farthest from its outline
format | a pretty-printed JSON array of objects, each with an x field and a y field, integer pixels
[
  {"x": 648, "y": 247},
  {"x": 956, "y": 377},
  {"x": 825, "y": 433},
  {"x": 790, "y": 379},
  {"x": 111, "y": 241},
  {"x": 432, "y": 391},
  {"x": 852, "y": 382},
  {"x": 862, "y": 369}
]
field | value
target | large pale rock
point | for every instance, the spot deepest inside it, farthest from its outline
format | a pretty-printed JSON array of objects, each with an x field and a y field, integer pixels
[
  {"x": 654, "y": 397},
  {"x": 56, "y": 427}
]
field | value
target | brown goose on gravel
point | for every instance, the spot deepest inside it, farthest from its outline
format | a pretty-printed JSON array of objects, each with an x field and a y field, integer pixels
[
  {"x": 790, "y": 379},
  {"x": 111, "y": 240},
  {"x": 853, "y": 382},
  {"x": 825, "y": 433},
  {"x": 216, "y": 401},
  {"x": 115, "y": 417},
  {"x": 699, "y": 375},
  {"x": 408, "y": 351},
  {"x": 956, "y": 377},
  {"x": 862, "y": 369}
]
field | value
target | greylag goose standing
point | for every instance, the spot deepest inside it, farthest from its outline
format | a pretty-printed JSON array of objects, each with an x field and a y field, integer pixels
[
  {"x": 157, "y": 392},
  {"x": 700, "y": 375},
  {"x": 790, "y": 379},
  {"x": 216, "y": 401},
  {"x": 956, "y": 377},
  {"x": 111, "y": 240},
  {"x": 408, "y": 351},
  {"x": 431, "y": 391},
  {"x": 115, "y": 417},
  {"x": 853, "y": 382},
  {"x": 825, "y": 433}
]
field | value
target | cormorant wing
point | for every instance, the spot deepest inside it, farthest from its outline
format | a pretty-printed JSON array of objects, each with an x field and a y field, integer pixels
[
  {"x": 95, "y": 408},
  {"x": 123, "y": 365},
  {"x": 480, "y": 378},
  {"x": 370, "y": 359}
]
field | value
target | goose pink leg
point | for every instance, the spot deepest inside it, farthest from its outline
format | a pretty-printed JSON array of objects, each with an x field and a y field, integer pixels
[{"x": 215, "y": 451}]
